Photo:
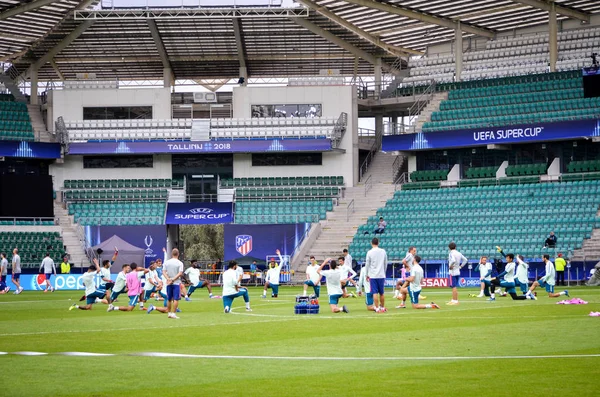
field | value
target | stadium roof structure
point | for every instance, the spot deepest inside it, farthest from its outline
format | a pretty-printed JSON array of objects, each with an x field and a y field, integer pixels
[{"x": 63, "y": 38}]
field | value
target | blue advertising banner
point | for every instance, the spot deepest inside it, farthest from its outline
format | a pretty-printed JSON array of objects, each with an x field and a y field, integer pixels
[
  {"x": 217, "y": 146},
  {"x": 492, "y": 135},
  {"x": 199, "y": 213},
  {"x": 62, "y": 282},
  {"x": 152, "y": 237},
  {"x": 38, "y": 150},
  {"x": 246, "y": 243}
]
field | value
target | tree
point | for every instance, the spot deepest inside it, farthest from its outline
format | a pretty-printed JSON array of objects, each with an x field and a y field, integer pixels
[{"x": 202, "y": 242}]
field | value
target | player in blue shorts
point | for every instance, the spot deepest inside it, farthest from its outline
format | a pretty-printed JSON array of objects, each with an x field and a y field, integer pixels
[
  {"x": 363, "y": 284},
  {"x": 92, "y": 295},
  {"x": 120, "y": 283},
  {"x": 506, "y": 279},
  {"x": 232, "y": 288},
  {"x": 414, "y": 286},
  {"x": 456, "y": 261},
  {"x": 334, "y": 285},
  {"x": 313, "y": 278},
  {"x": 547, "y": 281}
]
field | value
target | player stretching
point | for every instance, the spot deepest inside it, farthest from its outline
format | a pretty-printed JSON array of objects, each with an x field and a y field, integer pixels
[
  {"x": 152, "y": 284},
  {"x": 485, "y": 276},
  {"x": 347, "y": 274},
  {"x": 120, "y": 283},
  {"x": 196, "y": 282},
  {"x": 334, "y": 285},
  {"x": 363, "y": 284},
  {"x": 163, "y": 294},
  {"x": 456, "y": 261},
  {"x": 407, "y": 263},
  {"x": 375, "y": 268},
  {"x": 134, "y": 287},
  {"x": 521, "y": 274},
  {"x": 414, "y": 286},
  {"x": 547, "y": 281},
  {"x": 506, "y": 279},
  {"x": 92, "y": 295},
  {"x": 313, "y": 278},
  {"x": 273, "y": 276},
  {"x": 232, "y": 289},
  {"x": 49, "y": 270}
]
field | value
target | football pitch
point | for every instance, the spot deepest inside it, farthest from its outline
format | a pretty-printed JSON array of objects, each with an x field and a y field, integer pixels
[{"x": 479, "y": 348}]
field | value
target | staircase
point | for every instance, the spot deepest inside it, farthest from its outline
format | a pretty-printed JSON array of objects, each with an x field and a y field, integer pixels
[
  {"x": 339, "y": 228},
  {"x": 432, "y": 106},
  {"x": 590, "y": 251},
  {"x": 10, "y": 85},
  {"x": 398, "y": 77},
  {"x": 37, "y": 122},
  {"x": 70, "y": 237}
]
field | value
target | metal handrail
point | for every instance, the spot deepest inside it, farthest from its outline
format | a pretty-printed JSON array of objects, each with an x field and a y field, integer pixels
[
  {"x": 349, "y": 210},
  {"x": 297, "y": 218},
  {"x": 401, "y": 180},
  {"x": 374, "y": 149},
  {"x": 368, "y": 184},
  {"x": 420, "y": 103}
]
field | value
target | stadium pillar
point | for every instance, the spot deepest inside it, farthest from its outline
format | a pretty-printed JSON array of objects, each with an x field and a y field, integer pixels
[
  {"x": 377, "y": 74},
  {"x": 34, "y": 86},
  {"x": 553, "y": 37},
  {"x": 458, "y": 51},
  {"x": 244, "y": 74},
  {"x": 168, "y": 77}
]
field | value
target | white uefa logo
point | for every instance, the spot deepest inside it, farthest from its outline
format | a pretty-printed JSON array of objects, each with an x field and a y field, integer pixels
[{"x": 201, "y": 210}]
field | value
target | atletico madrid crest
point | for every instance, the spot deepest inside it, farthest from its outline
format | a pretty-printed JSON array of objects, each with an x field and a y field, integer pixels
[{"x": 243, "y": 244}]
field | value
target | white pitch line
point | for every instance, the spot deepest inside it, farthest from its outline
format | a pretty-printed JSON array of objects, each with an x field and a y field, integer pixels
[{"x": 304, "y": 358}]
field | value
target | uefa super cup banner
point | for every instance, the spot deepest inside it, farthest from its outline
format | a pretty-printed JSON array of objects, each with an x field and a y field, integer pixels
[
  {"x": 199, "y": 213},
  {"x": 62, "y": 282}
]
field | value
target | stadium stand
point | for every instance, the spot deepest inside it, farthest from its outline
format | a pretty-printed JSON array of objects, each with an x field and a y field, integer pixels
[
  {"x": 32, "y": 246},
  {"x": 135, "y": 129},
  {"x": 14, "y": 120},
  {"x": 547, "y": 97},
  {"x": 117, "y": 201},
  {"x": 480, "y": 217},
  {"x": 266, "y": 127}
]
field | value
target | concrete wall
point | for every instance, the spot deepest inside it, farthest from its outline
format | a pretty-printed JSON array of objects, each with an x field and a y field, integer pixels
[
  {"x": 334, "y": 101},
  {"x": 72, "y": 168},
  {"x": 70, "y": 103}
]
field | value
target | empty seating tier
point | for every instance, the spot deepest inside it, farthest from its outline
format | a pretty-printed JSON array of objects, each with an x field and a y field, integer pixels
[
  {"x": 481, "y": 172},
  {"x": 134, "y": 129},
  {"x": 243, "y": 193},
  {"x": 118, "y": 213},
  {"x": 273, "y": 127},
  {"x": 289, "y": 211},
  {"x": 479, "y": 218},
  {"x": 32, "y": 246},
  {"x": 118, "y": 183},
  {"x": 284, "y": 181},
  {"x": 15, "y": 124},
  {"x": 434, "y": 175}
]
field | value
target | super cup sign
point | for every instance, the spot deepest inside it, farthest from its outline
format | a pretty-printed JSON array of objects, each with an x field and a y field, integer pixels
[{"x": 199, "y": 213}]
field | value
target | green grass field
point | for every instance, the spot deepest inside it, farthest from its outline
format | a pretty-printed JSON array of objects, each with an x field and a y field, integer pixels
[{"x": 505, "y": 348}]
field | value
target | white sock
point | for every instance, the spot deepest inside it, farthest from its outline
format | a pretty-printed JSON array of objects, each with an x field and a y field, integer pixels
[
  {"x": 247, "y": 305},
  {"x": 396, "y": 293},
  {"x": 563, "y": 293},
  {"x": 210, "y": 295},
  {"x": 428, "y": 306},
  {"x": 115, "y": 307},
  {"x": 493, "y": 296}
]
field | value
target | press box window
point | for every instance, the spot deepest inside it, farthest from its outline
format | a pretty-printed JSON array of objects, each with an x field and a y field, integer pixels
[
  {"x": 117, "y": 113},
  {"x": 117, "y": 161},
  {"x": 268, "y": 159}
]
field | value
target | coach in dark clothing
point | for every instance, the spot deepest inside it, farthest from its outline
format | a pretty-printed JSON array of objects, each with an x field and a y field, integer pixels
[{"x": 550, "y": 241}]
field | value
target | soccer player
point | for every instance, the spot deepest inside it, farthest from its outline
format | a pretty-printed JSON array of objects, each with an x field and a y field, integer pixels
[
  {"x": 363, "y": 284},
  {"x": 334, "y": 285},
  {"x": 134, "y": 287},
  {"x": 485, "y": 275},
  {"x": 456, "y": 261},
  {"x": 120, "y": 283},
  {"x": 151, "y": 284},
  {"x": 407, "y": 263},
  {"x": 375, "y": 268},
  {"x": 273, "y": 275},
  {"x": 16, "y": 271},
  {"x": 105, "y": 282},
  {"x": 173, "y": 270},
  {"x": 313, "y": 278},
  {"x": 232, "y": 289},
  {"x": 347, "y": 257},
  {"x": 49, "y": 269},
  {"x": 92, "y": 295},
  {"x": 414, "y": 286},
  {"x": 547, "y": 281},
  {"x": 3, "y": 272},
  {"x": 193, "y": 274},
  {"x": 521, "y": 274},
  {"x": 346, "y": 270},
  {"x": 506, "y": 279}
]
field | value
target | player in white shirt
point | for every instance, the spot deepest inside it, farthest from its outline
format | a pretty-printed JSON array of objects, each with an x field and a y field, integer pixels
[
  {"x": 407, "y": 263},
  {"x": 347, "y": 257},
  {"x": 232, "y": 289},
  {"x": 92, "y": 295},
  {"x": 521, "y": 274},
  {"x": 347, "y": 274},
  {"x": 375, "y": 269},
  {"x": 334, "y": 284},
  {"x": 16, "y": 271},
  {"x": 363, "y": 284},
  {"x": 506, "y": 279},
  {"x": 485, "y": 276},
  {"x": 49, "y": 269},
  {"x": 151, "y": 284},
  {"x": 313, "y": 278},
  {"x": 193, "y": 274},
  {"x": 105, "y": 281},
  {"x": 163, "y": 294},
  {"x": 3, "y": 272},
  {"x": 456, "y": 261},
  {"x": 273, "y": 275},
  {"x": 120, "y": 283},
  {"x": 173, "y": 270},
  {"x": 414, "y": 286},
  {"x": 547, "y": 281}
]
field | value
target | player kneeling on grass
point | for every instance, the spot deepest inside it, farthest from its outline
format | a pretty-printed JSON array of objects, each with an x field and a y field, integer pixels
[
  {"x": 193, "y": 274},
  {"x": 134, "y": 287},
  {"x": 334, "y": 285},
  {"x": 313, "y": 278},
  {"x": 414, "y": 286},
  {"x": 347, "y": 274},
  {"x": 506, "y": 279},
  {"x": 151, "y": 285},
  {"x": 92, "y": 295},
  {"x": 162, "y": 292},
  {"x": 273, "y": 276},
  {"x": 362, "y": 283},
  {"x": 232, "y": 289},
  {"x": 120, "y": 283},
  {"x": 547, "y": 281}
]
